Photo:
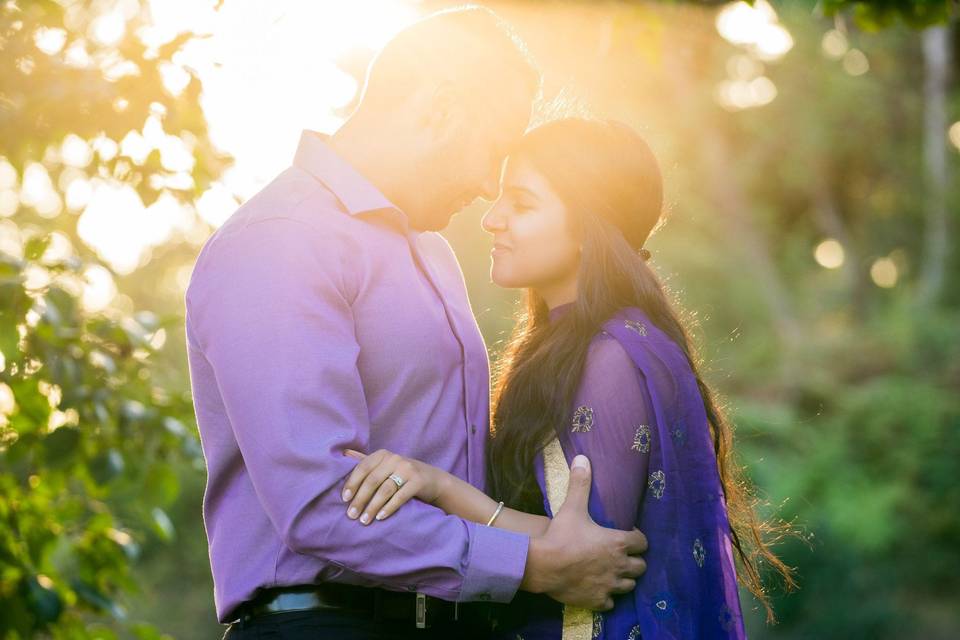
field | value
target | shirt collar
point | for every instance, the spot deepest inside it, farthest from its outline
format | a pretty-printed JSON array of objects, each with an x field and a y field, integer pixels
[{"x": 356, "y": 193}]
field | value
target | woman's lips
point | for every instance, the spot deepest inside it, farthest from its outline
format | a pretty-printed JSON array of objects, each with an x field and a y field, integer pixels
[{"x": 499, "y": 249}]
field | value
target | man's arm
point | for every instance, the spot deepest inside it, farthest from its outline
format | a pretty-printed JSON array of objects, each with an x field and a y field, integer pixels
[
  {"x": 269, "y": 311},
  {"x": 570, "y": 557}
]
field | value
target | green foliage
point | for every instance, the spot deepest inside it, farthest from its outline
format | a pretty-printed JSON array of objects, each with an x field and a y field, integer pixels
[
  {"x": 45, "y": 97},
  {"x": 880, "y": 14},
  {"x": 868, "y": 464},
  {"x": 93, "y": 434},
  {"x": 845, "y": 396},
  {"x": 844, "y": 392},
  {"x": 87, "y": 454}
]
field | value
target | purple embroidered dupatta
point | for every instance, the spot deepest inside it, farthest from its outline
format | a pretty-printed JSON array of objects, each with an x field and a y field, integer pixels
[{"x": 639, "y": 416}]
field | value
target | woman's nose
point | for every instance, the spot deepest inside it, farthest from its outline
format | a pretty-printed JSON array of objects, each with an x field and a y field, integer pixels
[{"x": 493, "y": 220}]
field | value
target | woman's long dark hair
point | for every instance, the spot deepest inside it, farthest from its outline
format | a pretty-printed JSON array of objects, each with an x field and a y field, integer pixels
[{"x": 610, "y": 183}]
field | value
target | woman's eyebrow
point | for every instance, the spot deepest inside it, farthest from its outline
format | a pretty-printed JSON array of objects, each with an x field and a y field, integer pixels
[{"x": 517, "y": 189}]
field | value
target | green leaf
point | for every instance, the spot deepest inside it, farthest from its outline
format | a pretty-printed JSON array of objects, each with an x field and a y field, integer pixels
[
  {"x": 100, "y": 632},
  {"x": 148, "y": 320},
  {"x": 148, "y": 632},
  {"x": 98, "y": 600},
  {"x": 133, "y": 411},
  {"x": 44, "y": 601},
  {"x": 162, "y": 524},
  {"x": 161, "y": 485},
  {"x": 35, "y": 247},
  {"x": 34, "y": 406},
  {"x": 64, "y": 303},
  {"x": 106, "y": 466},
  {"x": 61, "y": 445},
  {"x": 14, "y": 303},
  {"x": 174, "y": 426}
]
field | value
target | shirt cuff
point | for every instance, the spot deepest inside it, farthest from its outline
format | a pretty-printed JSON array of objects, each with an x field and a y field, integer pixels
[{"x": 497, "y": 559}]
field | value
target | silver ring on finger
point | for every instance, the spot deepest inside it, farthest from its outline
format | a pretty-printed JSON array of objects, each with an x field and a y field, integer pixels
[{"x": 397, "y": 480}]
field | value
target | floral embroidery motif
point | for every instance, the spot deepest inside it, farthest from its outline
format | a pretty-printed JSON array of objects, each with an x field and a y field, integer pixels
[
  {"x": 634, "y": 632},
  {"x": 582, "y": 419},
  {"x": 641, "y": 439},
  {"x": 597, "y": 624},
  {"x": 657, "y": 483},
  {"x": 726, "y": 618},
  {"x": 679, "y": 436},
  {"x": 678, "y": 432},
  {"x": 635, "y": 326},
  {"x": 699, "y": 553},
  {"x": 661, "y": 606}
]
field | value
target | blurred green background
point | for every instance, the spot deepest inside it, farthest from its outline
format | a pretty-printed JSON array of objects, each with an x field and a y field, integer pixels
[{"x": 810, "y": 152}]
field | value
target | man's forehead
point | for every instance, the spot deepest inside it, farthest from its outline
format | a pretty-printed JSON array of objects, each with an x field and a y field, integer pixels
[
  {"x": 510, "y": 132},
  {"x": 509, "y": 114}
]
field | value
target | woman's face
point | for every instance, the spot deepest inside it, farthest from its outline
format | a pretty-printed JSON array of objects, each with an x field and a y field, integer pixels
[{"x": 533, "y": 244}]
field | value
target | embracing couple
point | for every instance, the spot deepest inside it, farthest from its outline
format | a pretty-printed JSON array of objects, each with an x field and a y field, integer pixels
[{"x": 359, "y": 485}]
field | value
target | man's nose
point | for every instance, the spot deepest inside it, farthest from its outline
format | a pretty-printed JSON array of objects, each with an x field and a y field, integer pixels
[{"x": 490, "y": 189}]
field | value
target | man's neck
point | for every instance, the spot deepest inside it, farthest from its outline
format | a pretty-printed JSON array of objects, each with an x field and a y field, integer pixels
[{"x": 362, "y": 147}]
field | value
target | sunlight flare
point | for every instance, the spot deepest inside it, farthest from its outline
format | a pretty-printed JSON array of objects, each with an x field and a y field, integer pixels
[
  {"x": 829, "y": 254},
  {"x": 755, "y": 27}
]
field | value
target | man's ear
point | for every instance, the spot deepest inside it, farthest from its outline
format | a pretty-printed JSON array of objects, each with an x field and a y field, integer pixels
[{"x": 444, "y": 112}]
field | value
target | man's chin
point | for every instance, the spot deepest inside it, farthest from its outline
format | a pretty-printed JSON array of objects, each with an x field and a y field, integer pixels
[{"x": 432, "y": 222}]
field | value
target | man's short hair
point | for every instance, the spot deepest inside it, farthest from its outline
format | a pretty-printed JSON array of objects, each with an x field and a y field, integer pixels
[{"x": 470, "y": 47}]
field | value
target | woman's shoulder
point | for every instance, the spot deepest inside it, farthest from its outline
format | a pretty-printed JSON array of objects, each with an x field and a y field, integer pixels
[
  {"x": 611, "y": 390},
  {"x": 634, "y": 321},
  {"x": 606, "y": 351},
  {"x": 640, "y": 335},
  {"x": 624, "y": 335},
  {"x": 641, "y": 341}
]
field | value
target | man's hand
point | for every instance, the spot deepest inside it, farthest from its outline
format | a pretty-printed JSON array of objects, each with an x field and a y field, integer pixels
[{"x": 579, "y": 562}]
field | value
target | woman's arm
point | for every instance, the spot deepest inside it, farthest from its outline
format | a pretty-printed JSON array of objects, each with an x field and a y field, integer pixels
[
  {"x": 373, "y": 492},
  {"x": 613, "y": 425},
  {"x": 463, "y": 499}
]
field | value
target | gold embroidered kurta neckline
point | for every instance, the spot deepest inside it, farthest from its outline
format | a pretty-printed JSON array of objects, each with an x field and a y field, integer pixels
[{"x": 578, "y": 624}]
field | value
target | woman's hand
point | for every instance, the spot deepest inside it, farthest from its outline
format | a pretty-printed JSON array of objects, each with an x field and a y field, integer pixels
[{"x": 374, "y": 492}]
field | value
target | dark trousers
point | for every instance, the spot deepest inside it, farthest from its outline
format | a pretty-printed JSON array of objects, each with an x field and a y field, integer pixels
[{"x": 339, "y": 624}]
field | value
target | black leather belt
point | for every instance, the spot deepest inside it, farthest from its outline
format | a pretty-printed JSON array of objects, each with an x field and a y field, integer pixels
[{"x": 416, "y": 609}]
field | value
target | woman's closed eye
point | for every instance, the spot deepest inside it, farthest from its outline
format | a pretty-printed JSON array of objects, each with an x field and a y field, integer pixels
[{"x": 521, "y": 208}]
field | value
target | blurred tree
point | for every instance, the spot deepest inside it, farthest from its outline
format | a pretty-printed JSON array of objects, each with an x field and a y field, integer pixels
[
  {"x": 807, "y": 192},
  {"x": 91, "y": 433},
  {"x": 858, "y": 427},
  {"x": 873, "y": 15},
  {"x": 937, "y": 70}
]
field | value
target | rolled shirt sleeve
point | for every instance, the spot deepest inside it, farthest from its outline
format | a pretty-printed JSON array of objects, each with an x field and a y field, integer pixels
[{"x": 270, "y": 310}]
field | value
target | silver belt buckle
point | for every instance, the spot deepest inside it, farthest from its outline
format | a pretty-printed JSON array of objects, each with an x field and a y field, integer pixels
[{"x": 421, "y": 610}]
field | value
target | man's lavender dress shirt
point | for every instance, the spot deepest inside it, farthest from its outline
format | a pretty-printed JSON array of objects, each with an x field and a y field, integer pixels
[{"x": 317, "y": 320}]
